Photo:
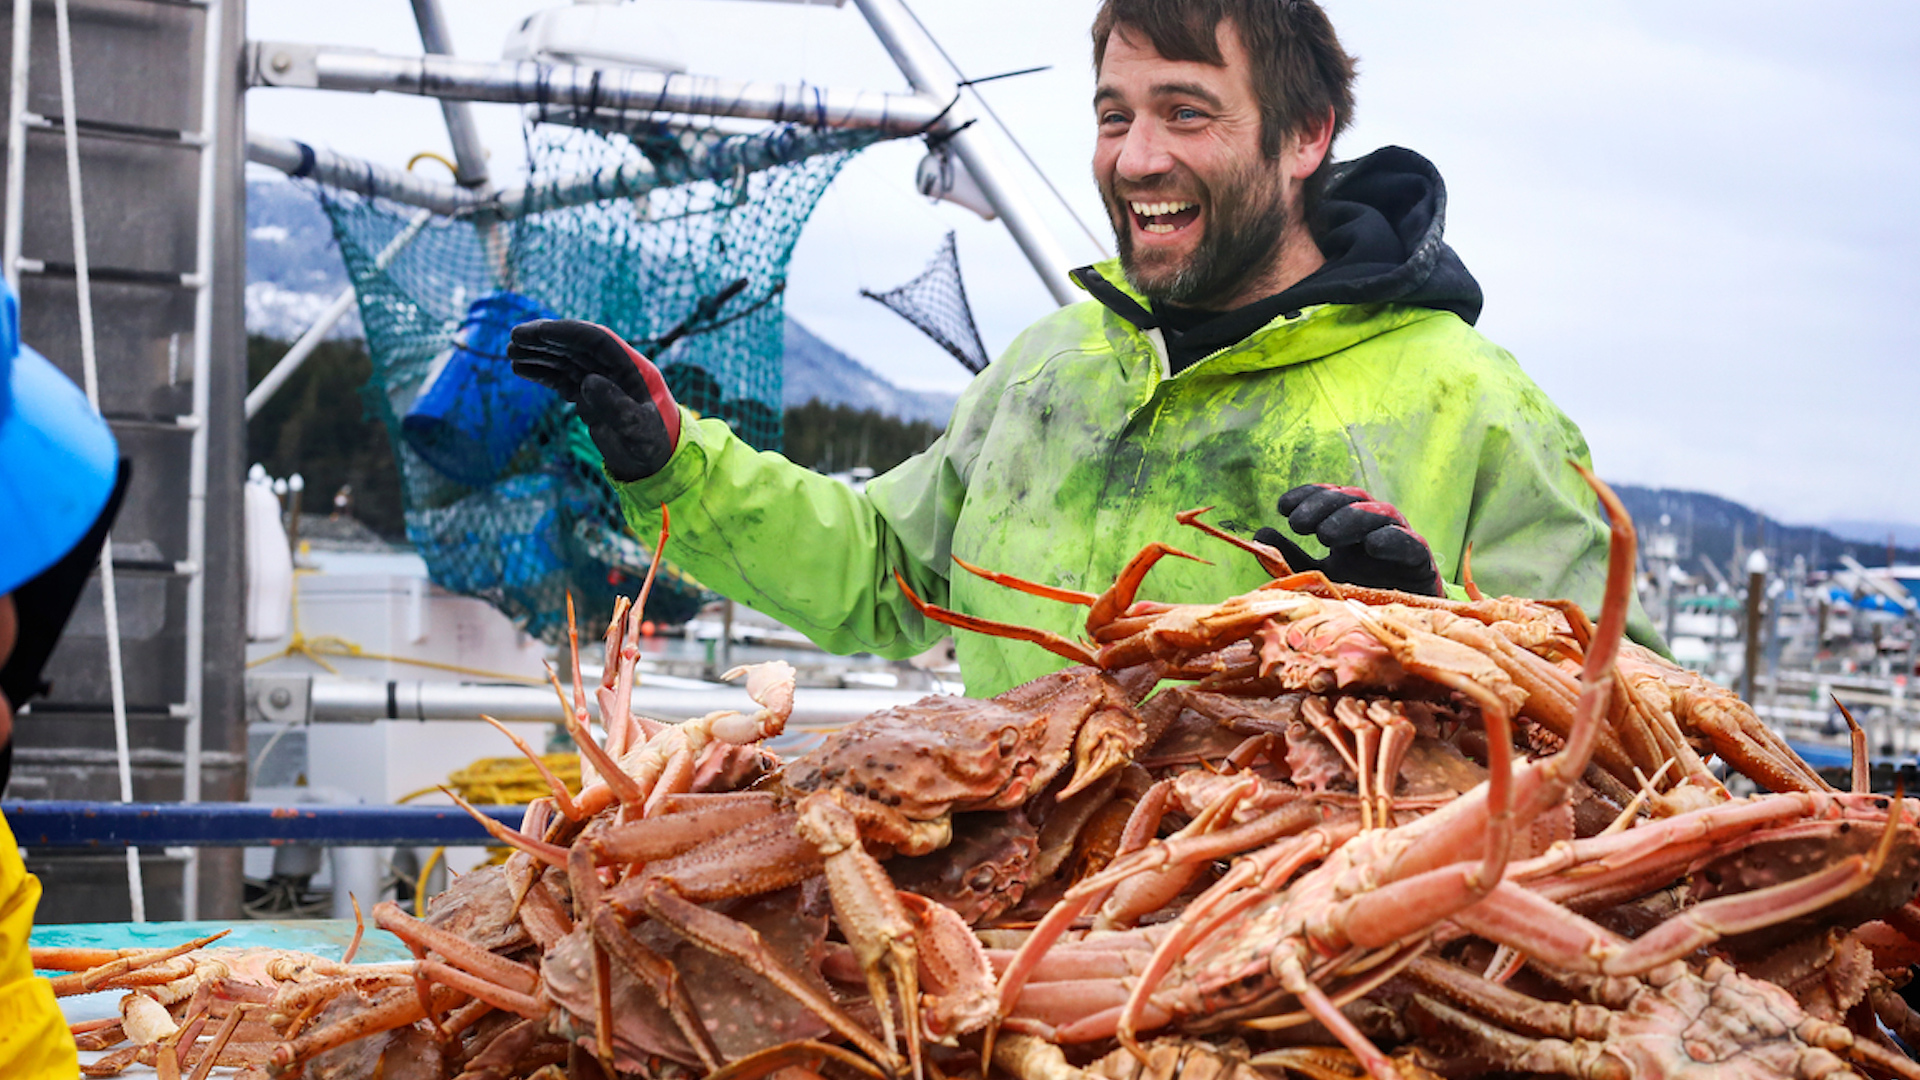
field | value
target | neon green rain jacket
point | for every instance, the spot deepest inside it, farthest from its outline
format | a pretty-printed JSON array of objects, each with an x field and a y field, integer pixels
[{"x": 1075, "y": 449}]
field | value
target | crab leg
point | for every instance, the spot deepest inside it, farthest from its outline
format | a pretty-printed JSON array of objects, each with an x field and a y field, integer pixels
[
  {"x": 1858, "y": 738},
  {"x": 221, "y": 1037},
  {"x": 615, "y": 940},
  {"x": 1274, "y": 866},
  {"x": 616, "y": 678},
  {"x": 725, "y": 937},
  {"x": 562, "y": 798},
  {"x": 1025, "y": 963},
  {"x": 622, "y": 786},
  {"x": 551, "y": 854},
  {"x": 1397, "y": 739},
  {"x": 1269, "y": 558},
  {"x": 1517, "y": 916},
  {"x": 801, "y": 1055},
  {"x": 870, "y": 914},
  {"x": 1141, "y": 894},
  {"x": 1031, "y": 588},
  {"x": 668, "y": 834},
  {"x": 500, "y": 997},
  {"x": 91, "y": 979},
  {"x": 1294, "y": 978},
  {"x": 393, "y": 1009},
  {"x": 1053, "y": 643},
  {"x": 458, "y": 950}
]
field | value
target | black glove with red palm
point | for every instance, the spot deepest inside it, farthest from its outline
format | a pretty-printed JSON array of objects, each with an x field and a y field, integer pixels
[
  {"x": 628, "y": 409},
  {"x": 1368, "y": 542}
]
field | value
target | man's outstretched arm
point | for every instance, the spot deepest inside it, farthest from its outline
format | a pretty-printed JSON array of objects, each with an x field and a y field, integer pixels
[{"x": 751, "y": 525}]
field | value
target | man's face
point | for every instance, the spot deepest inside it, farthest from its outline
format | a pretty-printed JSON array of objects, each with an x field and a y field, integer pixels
[{"x": 1198, "y": 211}]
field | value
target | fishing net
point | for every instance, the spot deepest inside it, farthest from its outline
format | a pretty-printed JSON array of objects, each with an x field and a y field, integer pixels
[
  {"x": 936, "y": 302},
  {"x": 682, "y": 250}
]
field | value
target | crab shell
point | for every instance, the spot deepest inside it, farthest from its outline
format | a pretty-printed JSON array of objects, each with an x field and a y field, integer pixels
[{"x": 942, "y": 754}]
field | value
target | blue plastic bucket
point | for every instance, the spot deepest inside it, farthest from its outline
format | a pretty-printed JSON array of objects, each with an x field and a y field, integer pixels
[{"x": 472, "y": 415}]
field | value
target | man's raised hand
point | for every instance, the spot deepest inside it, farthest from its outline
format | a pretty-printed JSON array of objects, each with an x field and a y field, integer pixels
[{"x": 621, "y": 396}]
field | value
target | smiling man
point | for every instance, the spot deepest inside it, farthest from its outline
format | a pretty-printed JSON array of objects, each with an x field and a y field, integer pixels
[{"x": 1281, "y": 338}]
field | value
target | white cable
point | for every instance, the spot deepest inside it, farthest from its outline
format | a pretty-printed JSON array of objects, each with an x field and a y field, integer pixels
[{"x": 83, "y": 288}]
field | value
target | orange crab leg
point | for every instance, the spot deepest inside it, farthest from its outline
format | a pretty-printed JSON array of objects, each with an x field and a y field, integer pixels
[
  {"x": 1031, "y": 588},
  {"x": 1052, "y": 642},
  {"x": 561, "y": 797},
  {"x": 591, "y": 752},
  {"x": 617, "y": 718},
  {"x": 1118, "y": 600},
  {"x": 359, "y": 931},
  {"x": 1541, "y": 928},
  {"x": 1269, "y": 558},
  {"x": 551, "y": 854},
  {"x": 1466, "y": 574},
  {"x": 458, "y": 950},
  {"x": 221, "y": 1037},
  {"x": 1861, "y": 784},
  {"x": 81, "y": 982},
  {"x": 803, "y": 1053}
]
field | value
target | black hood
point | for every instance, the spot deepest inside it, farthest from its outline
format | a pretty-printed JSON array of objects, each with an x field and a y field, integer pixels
[{"x": 1379, "y": 226}]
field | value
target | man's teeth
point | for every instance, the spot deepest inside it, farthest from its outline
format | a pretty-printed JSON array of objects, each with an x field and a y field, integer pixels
[{"x": 1153, "y": 210}]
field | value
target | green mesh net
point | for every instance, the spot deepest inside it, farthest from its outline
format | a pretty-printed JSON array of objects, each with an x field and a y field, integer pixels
[{"x": 504, "y": 494}]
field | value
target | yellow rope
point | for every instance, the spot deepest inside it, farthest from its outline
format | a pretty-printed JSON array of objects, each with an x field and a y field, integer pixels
[
  {"x": 507, "y": 781},
  {"x": 420, "y": 886},
  {"x": 428, "y": 155},
  {"x": 317, "y": 649}
]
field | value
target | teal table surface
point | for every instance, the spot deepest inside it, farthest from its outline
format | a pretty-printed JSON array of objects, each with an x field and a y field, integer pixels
[{"x": 322, "y": 937}]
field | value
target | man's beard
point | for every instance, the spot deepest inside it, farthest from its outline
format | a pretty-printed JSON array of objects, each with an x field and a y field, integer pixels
[{"x": 1245, "y": 223}]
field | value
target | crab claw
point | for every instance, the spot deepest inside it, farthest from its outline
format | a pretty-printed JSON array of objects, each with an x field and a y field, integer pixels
[
  {"x": 1106, "y": 742},
  {"x": 871, "y": 915},
  {"x": 771, "y": 685}
]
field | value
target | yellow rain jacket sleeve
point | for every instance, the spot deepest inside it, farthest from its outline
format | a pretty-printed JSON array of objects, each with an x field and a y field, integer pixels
[
  {"x": 34, "y": 1041},
  {"x": 1076, "y": 448}
]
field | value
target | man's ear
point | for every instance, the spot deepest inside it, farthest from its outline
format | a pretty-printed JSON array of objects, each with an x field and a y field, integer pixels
[{"x": 1307, "y": 147}]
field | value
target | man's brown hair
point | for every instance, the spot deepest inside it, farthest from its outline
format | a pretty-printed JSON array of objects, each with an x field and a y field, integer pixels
[{"x": 1299, "y": 69}]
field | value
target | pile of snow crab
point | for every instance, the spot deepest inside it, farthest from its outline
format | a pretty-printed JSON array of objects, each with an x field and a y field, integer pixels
[{"x": 1312, "y": 830}]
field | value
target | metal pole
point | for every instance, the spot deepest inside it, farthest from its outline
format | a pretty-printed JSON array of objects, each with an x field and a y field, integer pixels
[
  {"x": 346, "y": 699},
  {"x": 469, "y": 156},
  {"x": 361, "y": 177},
  {"x": 197, "y": 462},
  {"x": 569, "y": 86},
  {"x": 919, "y": 61},
  {"x": 1756, "y": 611}
]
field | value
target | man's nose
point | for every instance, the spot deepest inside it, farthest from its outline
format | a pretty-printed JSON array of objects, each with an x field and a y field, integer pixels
[{"x": 1143, "y": 153}]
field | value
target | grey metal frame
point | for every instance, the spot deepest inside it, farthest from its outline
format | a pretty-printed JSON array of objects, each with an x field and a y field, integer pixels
[{"x": 936, "y": 107}]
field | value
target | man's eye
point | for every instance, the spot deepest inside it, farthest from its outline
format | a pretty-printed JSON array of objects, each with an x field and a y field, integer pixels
[
  {"x": 1112, "y": 118},
  {"x": 1185, "y": 113}
]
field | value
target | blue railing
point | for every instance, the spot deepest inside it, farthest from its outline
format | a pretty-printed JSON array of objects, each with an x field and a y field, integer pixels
[{"x": 99, "y": 826}]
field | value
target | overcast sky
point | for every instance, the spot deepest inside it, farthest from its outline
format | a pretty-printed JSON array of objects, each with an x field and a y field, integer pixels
[{"x": 1695, "y": 223}]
